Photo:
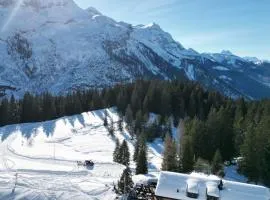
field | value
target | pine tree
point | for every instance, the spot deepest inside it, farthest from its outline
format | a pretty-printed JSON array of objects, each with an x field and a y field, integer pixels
[
  {"x": 116, "y": 153},
  {"x": 186, "y": 155},
  {"x": 170, "y": 157},
  {"x": 5, "y": 112},
  {"x": 249, "y": 165},
  {"x": 124, "y": 154},
  {"x": 111, "y": 129},
  {"x": 136, "y": 150},
  {"x": 125, "y": 184},
  {"x": 266, "y": 171},
  {"x": 165, "y": 107},
  {"x": 77, "y": 105},
  {"x": 48, "y": 105},
  {"x": 105, "y": 119},
  {"x": 214, "y": 133},
  {"x": 122, "y": 101},
  {"x": 129, "y": 116},
  {"x": 138, "y": 122},
  {"x": 27, "y": 108},
  {"x": 226, "y": 143},
  {"x": 166, "y": 127},
  {"x": 255, "y": 151},
  {"x": 120, "y": 124},
  {"x": 198, "y": 136},
  {"x": 146, "y": 104},
  {"x": 14, "y": 111},
  {"x": 141, "y": 161},
  {"x": 217, "y": 163},
  {"x": 137, "y": 97},
  {"x": 60, "y": 106},
  {"x": 192, "y": 105}
]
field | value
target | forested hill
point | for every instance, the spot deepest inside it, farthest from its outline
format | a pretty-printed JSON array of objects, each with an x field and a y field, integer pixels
[{"x": 212, "y": 122}]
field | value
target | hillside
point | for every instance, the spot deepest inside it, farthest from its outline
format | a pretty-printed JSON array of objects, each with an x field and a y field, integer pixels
[
  {"x": 38, "y": 160},
  {"x": 58, "y": 47}
]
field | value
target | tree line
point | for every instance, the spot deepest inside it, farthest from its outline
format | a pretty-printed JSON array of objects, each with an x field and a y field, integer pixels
[
  {"x": 212, "y": 123},
  {"x": 176, "y": 98},
  {"x": 236, "y": 129}
]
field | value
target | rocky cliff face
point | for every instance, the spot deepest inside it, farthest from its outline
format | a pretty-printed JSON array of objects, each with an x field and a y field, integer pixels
[{"x": 58, "y": 47}]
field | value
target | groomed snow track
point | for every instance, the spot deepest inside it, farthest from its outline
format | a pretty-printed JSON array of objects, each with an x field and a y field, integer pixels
[{"x": 38, "y": 161}]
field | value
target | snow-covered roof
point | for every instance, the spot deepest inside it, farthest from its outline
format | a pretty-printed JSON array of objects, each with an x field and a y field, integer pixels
[
  {"x": 173, "y": 185},
  {"x": 192, "y": 186},
  {"x": 212, "y": 189}
]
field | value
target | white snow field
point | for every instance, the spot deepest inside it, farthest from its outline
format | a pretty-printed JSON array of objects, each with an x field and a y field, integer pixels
[{"x": 38, "y": 160}]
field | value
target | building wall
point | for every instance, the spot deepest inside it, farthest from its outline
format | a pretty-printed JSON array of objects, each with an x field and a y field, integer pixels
[{"x": 163, "y": 198}]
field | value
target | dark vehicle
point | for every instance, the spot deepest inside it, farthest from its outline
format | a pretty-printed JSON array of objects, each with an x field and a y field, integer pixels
[
  {"x": 86, "y": 163},
  {"x": 89, "y": 163}
]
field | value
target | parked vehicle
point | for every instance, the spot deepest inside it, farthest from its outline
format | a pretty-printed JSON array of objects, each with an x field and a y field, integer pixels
[{"x": 86, "y": 163}]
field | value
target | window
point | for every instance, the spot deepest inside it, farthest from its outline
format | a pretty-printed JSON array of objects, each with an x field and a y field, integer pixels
[
  {"x": 192, "y": 195},
  {"x": 212, "y": 198},
  {"x": 192, "y": 190}
]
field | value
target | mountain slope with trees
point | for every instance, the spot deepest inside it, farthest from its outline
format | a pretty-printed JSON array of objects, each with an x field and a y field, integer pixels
[{"x": 213, "y": 124}]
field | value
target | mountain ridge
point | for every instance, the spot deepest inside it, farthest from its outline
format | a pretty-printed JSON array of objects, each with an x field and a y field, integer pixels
[{"x": 66, "y": 48}]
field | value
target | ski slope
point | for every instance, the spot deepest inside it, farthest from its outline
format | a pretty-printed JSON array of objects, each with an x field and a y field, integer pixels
[{"x": 38, "y": 160}]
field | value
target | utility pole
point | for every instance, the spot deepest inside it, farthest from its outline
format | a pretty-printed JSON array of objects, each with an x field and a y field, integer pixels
[{"x": 54, "y": 150}]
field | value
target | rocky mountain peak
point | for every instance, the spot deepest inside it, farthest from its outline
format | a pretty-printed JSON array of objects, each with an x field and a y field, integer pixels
[
  {"x": 227, "y": 52},
  {"x": 93, "y": 11}
]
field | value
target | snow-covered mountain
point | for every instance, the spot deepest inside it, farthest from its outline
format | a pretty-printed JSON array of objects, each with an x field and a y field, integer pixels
[{"x": 53, "y": 45}]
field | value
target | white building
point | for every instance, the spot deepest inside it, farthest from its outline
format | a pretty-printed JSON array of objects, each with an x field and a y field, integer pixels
[{"x": 176, "y": 186}]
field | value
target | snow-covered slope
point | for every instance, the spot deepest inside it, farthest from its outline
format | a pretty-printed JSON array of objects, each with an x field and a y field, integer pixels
[
  {"x": 248, "y": 77},
  {"x": 38, "y": 160},
  {"x": 253, "y": 60},
  {"x": 53, "y": 45}
]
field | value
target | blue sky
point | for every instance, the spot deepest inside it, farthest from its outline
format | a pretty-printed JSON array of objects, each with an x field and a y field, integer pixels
[{"x": 241, "y": 26}]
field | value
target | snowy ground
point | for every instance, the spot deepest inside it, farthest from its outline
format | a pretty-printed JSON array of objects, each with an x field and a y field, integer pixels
[
  {"x": 38, "y": 160},
  {"x": 231, "y": 174}
]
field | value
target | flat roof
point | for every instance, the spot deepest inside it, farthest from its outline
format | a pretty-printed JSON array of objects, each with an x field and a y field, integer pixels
[{"x": 173, "y": 185}]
